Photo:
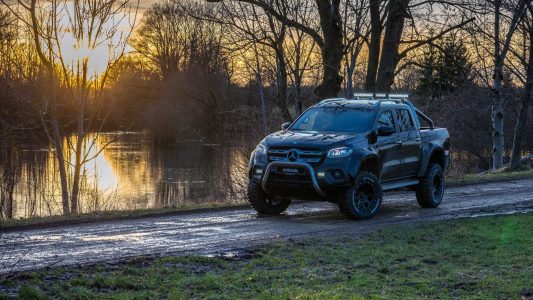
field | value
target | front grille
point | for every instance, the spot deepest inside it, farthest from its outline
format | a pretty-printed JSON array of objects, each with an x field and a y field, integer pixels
[
  {"x": 304, "y": 155},
  {"x": 279, "y": 175}
]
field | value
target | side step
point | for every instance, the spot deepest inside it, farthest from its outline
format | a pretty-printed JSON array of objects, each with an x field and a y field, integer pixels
[{"x": 398, "y": 184}]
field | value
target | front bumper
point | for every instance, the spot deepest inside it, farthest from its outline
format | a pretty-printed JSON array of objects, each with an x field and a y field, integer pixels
[
  {"x": 308, "y": 183},
  {"x": 311, "y": 174}
]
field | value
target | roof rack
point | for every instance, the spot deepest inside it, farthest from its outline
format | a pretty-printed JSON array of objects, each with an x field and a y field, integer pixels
[
  {"x": 402, "y": 98},
  {"x": 384, "y": 97},
  {"x": 379, "y": 97},
  {"x": 398, "y": 98},
  {"x": 331, "y": 100}
]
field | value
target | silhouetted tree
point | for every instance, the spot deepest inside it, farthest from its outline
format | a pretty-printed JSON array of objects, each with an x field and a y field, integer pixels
[
  {"x": 521, "y": 122},
  {"x": 443, "y": 68}
]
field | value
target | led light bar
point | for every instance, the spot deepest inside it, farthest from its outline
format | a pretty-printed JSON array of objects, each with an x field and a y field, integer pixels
[{"x": 381, "y": 95}]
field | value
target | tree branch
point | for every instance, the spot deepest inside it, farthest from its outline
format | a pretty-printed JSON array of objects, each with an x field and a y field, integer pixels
[{"x": 419, "y": 43}]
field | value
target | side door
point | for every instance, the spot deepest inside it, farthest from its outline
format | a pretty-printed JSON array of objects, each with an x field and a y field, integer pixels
[
  {"x": 387, "y": 147},
  {"x": 409, "y": 138}
]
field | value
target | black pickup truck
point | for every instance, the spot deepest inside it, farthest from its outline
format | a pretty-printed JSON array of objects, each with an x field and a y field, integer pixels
[{"x": 349, "y": 152}]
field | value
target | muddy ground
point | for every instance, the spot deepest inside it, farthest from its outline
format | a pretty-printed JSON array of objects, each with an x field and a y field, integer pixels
[{"x": 230, "y": 231}]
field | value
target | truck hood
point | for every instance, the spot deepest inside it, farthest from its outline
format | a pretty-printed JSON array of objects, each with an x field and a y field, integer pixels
[{"x": 311, "y": 139}]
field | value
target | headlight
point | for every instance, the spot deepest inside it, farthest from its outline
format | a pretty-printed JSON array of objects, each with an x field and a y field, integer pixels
[
  {"x": 340, "y": 152},
  {"x": 261, "y": 149}
]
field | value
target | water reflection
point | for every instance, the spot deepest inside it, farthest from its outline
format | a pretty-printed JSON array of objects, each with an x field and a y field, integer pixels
[{"x": 132, "y": 172}]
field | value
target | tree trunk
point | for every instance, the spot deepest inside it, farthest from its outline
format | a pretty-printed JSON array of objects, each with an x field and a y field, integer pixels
[
  {"x": 10, "y": 206},
  {"x": 7, "y": 180},
  {"x": 261, "y": 90},
  {"x": 391, "y": 43},
  {"x": 76, "y": 176},
  {"x": 497, "y": 121},
  {"x": 297, "y": 93},
  {"x": 11, "y": 173},
  {"x": 79, "y": 147},
  {"x": 374, "y": 47},
  {"x": 60, "y": 155},
  {"x": 2, "y": 203},
  {"x": 497, "y": 103},
  {"x": 281, "y": 74},
  {"x": 331, "y": 24},
  {"x": 349, "y": 82},
  {"x": 499, "y": 61},
  {"x": 524, "y": 106}
]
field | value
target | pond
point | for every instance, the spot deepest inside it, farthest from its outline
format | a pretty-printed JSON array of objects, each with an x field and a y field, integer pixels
[{"x": 132, "y": 172}]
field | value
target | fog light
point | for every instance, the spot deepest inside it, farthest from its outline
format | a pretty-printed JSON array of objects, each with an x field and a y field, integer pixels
[
  {"x": 321, "y": 174},
  {"x": 337, "y": 174}
]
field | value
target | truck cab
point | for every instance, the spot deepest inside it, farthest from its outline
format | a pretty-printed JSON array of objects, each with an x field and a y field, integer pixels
[{"x": 349, "y": 152}]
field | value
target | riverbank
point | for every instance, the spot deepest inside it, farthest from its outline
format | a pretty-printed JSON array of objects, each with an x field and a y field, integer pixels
[
  {"x": 54, "y": 221},
  {"x": 484, "y": 258}
]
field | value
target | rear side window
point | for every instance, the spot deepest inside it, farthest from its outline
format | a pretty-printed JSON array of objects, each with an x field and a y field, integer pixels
[
  {"x": 404, "y": 119},
  {"x": 386, "y": 119}
]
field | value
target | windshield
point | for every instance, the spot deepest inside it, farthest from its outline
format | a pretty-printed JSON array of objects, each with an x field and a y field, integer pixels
[{"x": 335, "y": 119}]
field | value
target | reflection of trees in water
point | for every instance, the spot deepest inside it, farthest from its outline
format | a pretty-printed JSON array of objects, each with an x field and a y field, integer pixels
[
  {"x": 188, "y": 172},
  {"x": 28, "y": 172},
  {"x": 38, "y": 191},
  {"x": 134, "y": 173},
  {"x": 34, "y": 192},
  {"x": 10, "y": 166}
]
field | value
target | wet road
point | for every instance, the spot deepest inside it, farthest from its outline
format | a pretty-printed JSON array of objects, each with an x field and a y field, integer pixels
[{"x": 231, "y": 230}]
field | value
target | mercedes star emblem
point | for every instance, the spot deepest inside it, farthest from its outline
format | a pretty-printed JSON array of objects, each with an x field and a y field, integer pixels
[{"x": 292, "y": 155}]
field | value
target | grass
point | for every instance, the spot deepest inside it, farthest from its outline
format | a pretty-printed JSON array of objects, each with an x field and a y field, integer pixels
[
  {"x": 52, "y": 221},
  {"x": 484, "y": 258},
  {"x": 490, "y": 177}
]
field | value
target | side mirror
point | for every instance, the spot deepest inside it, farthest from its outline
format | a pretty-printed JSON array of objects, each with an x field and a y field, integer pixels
[
  {"x": 386, "y": 130},
  {"x": 372, "y": 137},
  {"x": 285, "y": 125}
]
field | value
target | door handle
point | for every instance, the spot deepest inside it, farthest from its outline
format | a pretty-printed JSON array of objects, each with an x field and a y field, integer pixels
[
  {"x": 398, "y": 142},
  {"x": 418, "y": 139}
]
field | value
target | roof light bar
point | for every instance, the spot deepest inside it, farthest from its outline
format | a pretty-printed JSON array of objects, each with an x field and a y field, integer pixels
[
  {"x": 364, "y": 95},
  {"x": 381, "y": 95}
]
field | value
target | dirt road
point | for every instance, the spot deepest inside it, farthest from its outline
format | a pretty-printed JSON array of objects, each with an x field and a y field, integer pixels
[{"x": 232, "y": 230}]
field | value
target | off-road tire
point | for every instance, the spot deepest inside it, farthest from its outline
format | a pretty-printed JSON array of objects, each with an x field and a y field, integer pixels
[
  {"x": 430, "y": 190},
  {"x": 353, "y": 203},
  {"x": 264, "y": 203}
]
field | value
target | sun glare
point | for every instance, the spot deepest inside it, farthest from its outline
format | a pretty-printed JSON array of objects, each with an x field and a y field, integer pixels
[
  {"x": 75, "y": 52},
  {"x": 107, "y": 43}
]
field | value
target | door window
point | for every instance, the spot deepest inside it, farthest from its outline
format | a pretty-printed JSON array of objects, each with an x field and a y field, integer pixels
[
  {"x": 404, "y": 120},
  {"x": 386, "y": 119}
]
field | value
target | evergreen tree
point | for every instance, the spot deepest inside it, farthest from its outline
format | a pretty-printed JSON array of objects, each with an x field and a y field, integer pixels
[{"x": 443, "y": 69}]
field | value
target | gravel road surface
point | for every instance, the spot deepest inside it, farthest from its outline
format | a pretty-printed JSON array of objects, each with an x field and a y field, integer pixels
[{"x": 232, "y": 230}]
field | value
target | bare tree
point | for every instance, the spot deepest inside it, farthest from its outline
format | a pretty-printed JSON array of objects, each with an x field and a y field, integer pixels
[
  {"x": 500, "y": 53},
  {"x": 329, "y": 37},
  {"x": 355, "y": 37},
  {"x": 384, "y": 49},
  {"x": 12, "y": 116},
  {"x": 521, "y": 122},
  {"x": 409, "y": 25},
  {"x": 172, "y": 41},
  {"x": 300, "y": 59},
  {"x": 487, "y": 40},
  {"x": 253, "y": 28},
  {"x": 72, "y": 75}
]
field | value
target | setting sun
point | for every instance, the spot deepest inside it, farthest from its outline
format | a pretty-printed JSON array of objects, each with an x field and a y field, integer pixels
[{"x": 76, "y": 52}]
